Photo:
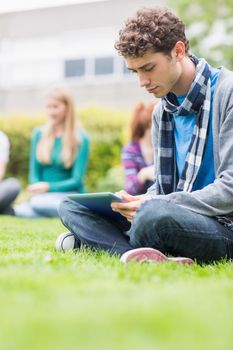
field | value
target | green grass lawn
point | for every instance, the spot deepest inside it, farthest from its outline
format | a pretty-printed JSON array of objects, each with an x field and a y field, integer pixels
[{"x": 88, "y": 300}]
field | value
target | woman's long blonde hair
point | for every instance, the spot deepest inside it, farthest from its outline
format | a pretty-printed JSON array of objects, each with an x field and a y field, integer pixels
[{"x": 70, "y": 138}]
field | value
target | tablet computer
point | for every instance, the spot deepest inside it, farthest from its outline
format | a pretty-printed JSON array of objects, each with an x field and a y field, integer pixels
[{"x": 99, "y": 202}]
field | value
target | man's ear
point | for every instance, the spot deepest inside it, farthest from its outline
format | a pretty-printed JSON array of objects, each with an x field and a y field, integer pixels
[{"x": 179, "y": 50}]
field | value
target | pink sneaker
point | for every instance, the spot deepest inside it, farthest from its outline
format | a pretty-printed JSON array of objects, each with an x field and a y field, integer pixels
[{"x": 150, "y": 254}]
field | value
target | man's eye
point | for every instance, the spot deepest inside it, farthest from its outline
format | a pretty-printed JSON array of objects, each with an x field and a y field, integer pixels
[{"x": 149, "y": 69}]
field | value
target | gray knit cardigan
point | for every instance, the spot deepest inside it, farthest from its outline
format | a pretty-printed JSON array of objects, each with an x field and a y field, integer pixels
[{"x": 216, "y": 198}]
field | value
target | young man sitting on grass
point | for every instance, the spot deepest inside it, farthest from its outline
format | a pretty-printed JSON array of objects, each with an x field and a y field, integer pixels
[{"x": 189, "y": 209}]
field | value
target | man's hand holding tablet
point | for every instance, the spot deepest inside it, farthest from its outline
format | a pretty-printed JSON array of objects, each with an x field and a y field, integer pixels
[{"x": 129, "y": 204}]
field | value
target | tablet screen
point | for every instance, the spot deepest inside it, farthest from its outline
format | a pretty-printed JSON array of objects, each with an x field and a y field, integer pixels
[{"x": 98, "y": 202}]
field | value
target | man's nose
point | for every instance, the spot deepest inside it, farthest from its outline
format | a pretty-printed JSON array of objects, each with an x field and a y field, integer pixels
[{"x": 143, "y": 80}]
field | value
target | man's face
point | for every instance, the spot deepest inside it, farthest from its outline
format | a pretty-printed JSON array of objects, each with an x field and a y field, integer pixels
[{"x": 157, "y": 72}]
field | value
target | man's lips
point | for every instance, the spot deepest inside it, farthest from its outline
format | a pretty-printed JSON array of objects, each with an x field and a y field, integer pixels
[{"x": 152, "y": 89}]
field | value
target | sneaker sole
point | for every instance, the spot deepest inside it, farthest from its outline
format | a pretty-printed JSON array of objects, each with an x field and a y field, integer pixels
[{"x": 152, "y": 255}]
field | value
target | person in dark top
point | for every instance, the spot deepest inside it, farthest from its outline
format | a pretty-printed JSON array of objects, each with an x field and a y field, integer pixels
[{"x": 9, "y": 187}]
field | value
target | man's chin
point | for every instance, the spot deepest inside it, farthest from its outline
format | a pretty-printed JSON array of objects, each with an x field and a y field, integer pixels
[{"x": 158, "y": 95}]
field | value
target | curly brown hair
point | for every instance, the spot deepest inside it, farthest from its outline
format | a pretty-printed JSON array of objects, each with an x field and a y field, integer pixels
[{"x": 151, "y": 29}]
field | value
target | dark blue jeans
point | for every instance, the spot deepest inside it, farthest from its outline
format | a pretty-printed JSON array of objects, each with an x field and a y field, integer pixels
[
  {"x": 9, "y": 190},
  {"x": 158, "y": 224}
]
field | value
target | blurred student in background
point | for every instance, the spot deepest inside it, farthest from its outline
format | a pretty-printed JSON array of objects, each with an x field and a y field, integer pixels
[
  {"x": 10, "y": 187},
  {"x": 58, "y": 158},
  {"x": 137, "y": 155}
]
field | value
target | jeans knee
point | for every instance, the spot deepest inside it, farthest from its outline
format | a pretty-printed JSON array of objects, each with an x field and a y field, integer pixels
[
  {"x": 13, "y": 186},
  {"x": 140, "y": 222},
  {"x": 37, "y": 202},
  {"x": 150, "y": 221},
  {"x": 63, "y": 209}
]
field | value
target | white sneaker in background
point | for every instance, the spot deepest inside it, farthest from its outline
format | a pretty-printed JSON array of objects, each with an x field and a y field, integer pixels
[{"x": 66, "y": 241}]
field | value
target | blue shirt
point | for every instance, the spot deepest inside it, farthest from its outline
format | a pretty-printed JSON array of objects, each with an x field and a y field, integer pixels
[{"x": 183, "y": 131}]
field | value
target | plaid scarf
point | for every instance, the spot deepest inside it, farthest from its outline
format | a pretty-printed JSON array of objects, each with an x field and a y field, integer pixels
[{"x": 197, "y": 101}]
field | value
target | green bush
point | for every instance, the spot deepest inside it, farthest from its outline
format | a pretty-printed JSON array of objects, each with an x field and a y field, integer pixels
[
  {"x": 105, "y": 153},
  {"x": 113, "y": 181},
  {"x": 106, "y": 129}
]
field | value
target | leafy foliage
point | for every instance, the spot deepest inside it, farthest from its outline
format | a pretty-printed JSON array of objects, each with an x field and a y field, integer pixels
[
  {"x": 112, "y": 181},
  {"x": 209, "y": 28}
]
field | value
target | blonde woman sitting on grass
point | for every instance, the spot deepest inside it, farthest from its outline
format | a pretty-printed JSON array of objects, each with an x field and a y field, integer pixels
[{"x": 58, "y": 158}]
